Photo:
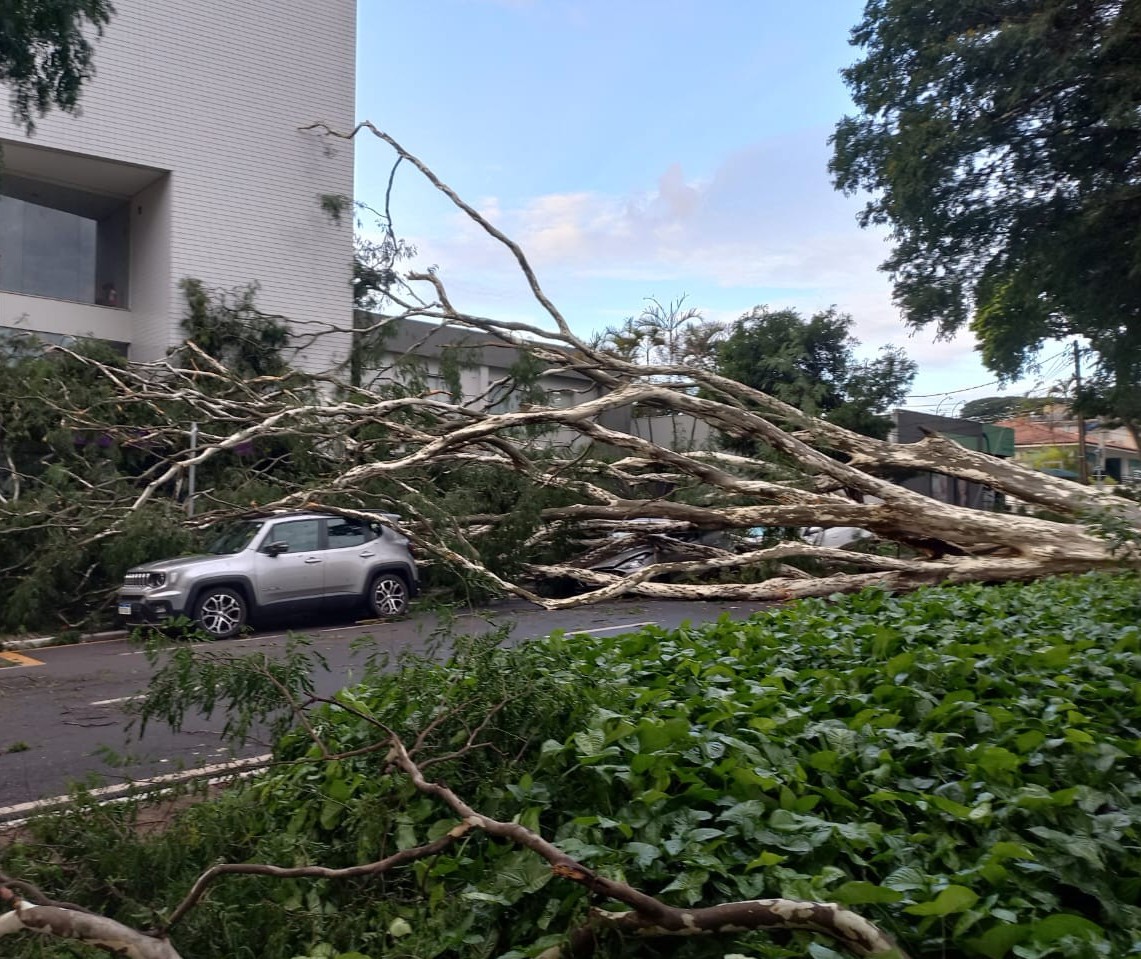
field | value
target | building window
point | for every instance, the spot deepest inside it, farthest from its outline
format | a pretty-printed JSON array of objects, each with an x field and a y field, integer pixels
[{"x": 63, "y": 243}]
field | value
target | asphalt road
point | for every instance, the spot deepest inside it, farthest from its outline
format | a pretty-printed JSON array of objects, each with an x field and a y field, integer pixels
[{"x": 62, "y": 714}]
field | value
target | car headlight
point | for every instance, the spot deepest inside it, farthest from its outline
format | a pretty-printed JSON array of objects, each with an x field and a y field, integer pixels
[{"x": 157, "y": 580}]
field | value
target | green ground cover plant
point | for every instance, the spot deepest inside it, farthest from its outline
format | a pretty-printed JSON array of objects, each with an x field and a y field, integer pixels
[{"x": 959, "y": 764}]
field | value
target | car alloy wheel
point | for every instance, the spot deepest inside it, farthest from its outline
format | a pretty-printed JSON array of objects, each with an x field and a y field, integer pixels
[
  {"x": 221, "y": 613},
  {"x": 389, "y": 595}
]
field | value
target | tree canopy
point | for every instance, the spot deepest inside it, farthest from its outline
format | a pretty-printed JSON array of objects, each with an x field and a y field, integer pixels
[
  {"x": 45, "y": 52},
  {"x": 229, "y": 327},
  {"x": 811, "y": 364},
  {"x": 1002, "y": 144},
  {"x": 988, "y": 409}
]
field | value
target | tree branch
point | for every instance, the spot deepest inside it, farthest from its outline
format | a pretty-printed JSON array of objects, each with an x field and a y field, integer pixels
[{"x": 652, "y": 917}]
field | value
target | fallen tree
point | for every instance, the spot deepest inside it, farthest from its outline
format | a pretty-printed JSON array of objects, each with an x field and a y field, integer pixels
[{"x": 374, "y": 453}]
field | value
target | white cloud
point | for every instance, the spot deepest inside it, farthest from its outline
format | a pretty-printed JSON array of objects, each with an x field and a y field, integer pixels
[
  {"x": 766, "y": 218},
  {"x": 765, "y": 227}
]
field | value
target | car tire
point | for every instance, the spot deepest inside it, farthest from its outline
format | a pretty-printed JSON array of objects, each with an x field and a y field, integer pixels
[
  {"x": 221, "y": 612},
  {"x": 388, "y": 595}
]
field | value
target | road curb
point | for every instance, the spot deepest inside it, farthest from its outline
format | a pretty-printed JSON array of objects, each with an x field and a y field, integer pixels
[
  {"x": 39, "y": 642},
  {"x": 18, "y": 814}
]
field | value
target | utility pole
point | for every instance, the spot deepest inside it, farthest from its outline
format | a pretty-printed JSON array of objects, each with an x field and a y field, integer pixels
[
  {"x": 192, "y": 473},
  {"x": 1083, "y": 464}
]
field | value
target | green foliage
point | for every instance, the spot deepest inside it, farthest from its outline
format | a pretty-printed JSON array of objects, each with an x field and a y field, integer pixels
[
  {"x": 53, "y": 578},
  {"x": 810, "y": 364},
  {"x": 1122, "y": 535},
  {"x": 59, "y": 479},
  {"x": 958, "y": 764},
  {"x": 46, "y": 53},
  {"x": 990, "y": 409},
  {"x": 502, "y": 546},
  {"x": 376, "y": 251},
  {"x": 1001, "y": 144},
  {"x": 67, "y": 533},
  {"x": 65, "y": 482},
  {"x": 230, "y": 328}
]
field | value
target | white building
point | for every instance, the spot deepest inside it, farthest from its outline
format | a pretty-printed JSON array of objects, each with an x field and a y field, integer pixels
[
  {"x": 187, "y": 161},
  {"x": 477, "y": 370},
  {"x": 488, "y": 373}
]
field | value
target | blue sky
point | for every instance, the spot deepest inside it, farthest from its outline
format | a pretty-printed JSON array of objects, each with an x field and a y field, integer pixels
[{"x": 635, "y": 149}]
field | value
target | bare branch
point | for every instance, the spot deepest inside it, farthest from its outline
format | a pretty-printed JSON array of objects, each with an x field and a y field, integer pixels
[
  {"x": 377, "y": 868},
  {"x": 650, "y": 916}
]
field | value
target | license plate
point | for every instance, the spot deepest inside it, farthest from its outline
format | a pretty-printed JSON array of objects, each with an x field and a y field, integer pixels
[{"x": 124, "y": 609}]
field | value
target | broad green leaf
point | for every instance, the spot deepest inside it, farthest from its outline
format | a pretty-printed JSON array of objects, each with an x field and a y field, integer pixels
[
  {"x": 689, "y": 884},
  {"x": 1060, "y": 925},
  {"x": 825, "y": 760},
  {"x": 749, "y": 811},
  {"x": 643, "y": 853},
  {"x": 952, "y": 808},
  {"x": 857, "y": 893},
  {"x": 399, "y": 927},
  {"x": 1009, "y": 850},
  {"x": 951, "y": 900},
  {"x": 331, "y": 813},
  {"x": 589, "y": 742},
  {"x": 406, "y": 835},
  {"x": 1073, "y": 845},
  {"x": 655, "y": 735},
  {"x": 995, "y": 760},
  {"x": 998, "y": 940},
  {"x": 705, "y": 834},
  {"x": 520, "y": 873}
]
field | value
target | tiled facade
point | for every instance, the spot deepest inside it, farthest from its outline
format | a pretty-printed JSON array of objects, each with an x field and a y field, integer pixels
[{"x": 198, "y": 107}]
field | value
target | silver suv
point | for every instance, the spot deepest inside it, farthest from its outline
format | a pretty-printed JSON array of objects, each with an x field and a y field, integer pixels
[{"x": 275, "y": 565}]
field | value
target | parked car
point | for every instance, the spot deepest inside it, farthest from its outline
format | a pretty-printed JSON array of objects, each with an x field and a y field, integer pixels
[
  {"x": 655, "y": 541},
  {"x": 834, "y": 537},
  {"x": 628, "y": 551},
  {"x": 281, "y": 564}
]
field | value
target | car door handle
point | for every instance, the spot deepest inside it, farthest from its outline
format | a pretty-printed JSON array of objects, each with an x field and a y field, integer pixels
[
  {"x": 312, "y": 559},
  {"x": 367, "y": 553}
]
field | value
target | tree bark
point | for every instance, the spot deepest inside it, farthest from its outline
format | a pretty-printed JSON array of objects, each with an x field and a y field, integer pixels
[{"x": 62, "y": 923}]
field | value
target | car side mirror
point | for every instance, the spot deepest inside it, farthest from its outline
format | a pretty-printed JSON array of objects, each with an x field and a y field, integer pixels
[{"x": 276, "y": 549}]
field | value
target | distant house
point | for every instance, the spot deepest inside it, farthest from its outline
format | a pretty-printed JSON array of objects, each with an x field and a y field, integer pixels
[{"x": 1049, "y": 442}]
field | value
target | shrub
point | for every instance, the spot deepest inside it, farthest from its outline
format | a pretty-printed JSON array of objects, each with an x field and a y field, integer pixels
[{"x": 959, "y": 764}]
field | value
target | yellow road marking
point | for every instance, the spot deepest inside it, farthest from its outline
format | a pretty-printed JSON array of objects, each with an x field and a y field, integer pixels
[{"x": 19, "y": 659}]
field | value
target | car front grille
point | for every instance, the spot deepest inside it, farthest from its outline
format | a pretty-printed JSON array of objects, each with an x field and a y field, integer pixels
[{"x": 135, "y": 579}]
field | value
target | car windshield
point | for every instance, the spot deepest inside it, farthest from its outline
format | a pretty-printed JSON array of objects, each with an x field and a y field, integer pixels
[{"x": 232, "y": 537}]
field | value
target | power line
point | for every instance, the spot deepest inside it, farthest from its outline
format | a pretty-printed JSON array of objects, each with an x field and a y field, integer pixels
[
  {"x": 968, "y": 389},
  {"x": 965, "y": 389}
]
